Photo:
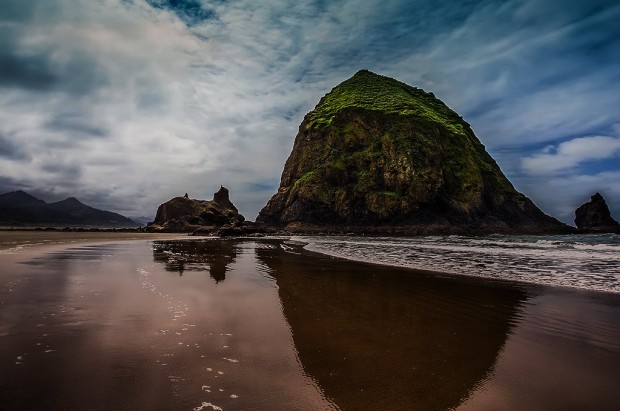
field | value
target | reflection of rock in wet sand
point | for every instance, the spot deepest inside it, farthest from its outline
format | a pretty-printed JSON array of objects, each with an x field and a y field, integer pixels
[
  {"x": 196, "y": 255},
  {"x": 384, "y": 338}
]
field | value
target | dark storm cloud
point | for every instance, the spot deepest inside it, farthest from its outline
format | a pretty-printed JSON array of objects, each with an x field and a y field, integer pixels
[
  {"x": 17, "y": 11},
  {"x": 76, "y": 124},
  {"x": 36, "y": 70},
  {"x": 19, "y": 67},
  {"x": 32, "y": 65},
  {"x": 8, "y": 184},
  {"x": 23, "y": 71},
  {"x": 64, "y": 171},
  {"x": 11, "y": 150}
]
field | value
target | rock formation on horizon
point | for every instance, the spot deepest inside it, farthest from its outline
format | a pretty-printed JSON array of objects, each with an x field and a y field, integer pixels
[
  {"x": 184, "y": 214},
  {"x": 19, "y": 208},
  {"x": 594, "y": 216},
  {"x": 379, "y": 156}
]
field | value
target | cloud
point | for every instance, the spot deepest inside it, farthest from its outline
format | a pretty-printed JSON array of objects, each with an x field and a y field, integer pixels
[
  {"x": 525, "y": 72},
  {"x": 11, "y": 150},
  {"x": 77, "y": 123},
  {"x": 117, "y": 100},
  {"x": 571, "y": 153},
  {"x": 25, "y": 71}
]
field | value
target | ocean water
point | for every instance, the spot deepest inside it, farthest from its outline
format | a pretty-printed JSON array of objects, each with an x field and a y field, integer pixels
[{"x": 589, "y": 261}]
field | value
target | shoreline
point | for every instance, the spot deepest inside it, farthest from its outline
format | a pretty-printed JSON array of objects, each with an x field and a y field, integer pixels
[
  {"x": 481, "y": 279},
  {"x": 31, "y": 239},
  {"x": 18, "y": 240},
  {"x": 473, "y": 279},
  {"x": 479, "y": 275}
]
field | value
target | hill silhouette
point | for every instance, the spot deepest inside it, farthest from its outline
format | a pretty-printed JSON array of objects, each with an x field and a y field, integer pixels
[{"x": 19, "y": 208}]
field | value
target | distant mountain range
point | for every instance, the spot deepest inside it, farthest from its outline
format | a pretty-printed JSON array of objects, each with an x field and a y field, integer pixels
[{"x": 20, "y": 208}]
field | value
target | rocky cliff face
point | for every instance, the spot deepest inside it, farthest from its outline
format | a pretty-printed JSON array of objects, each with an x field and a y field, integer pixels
[
  {"x": 377, "y": 155},
  {"x": 183, "y": 214},
  {"x": 594, "y": 216}
]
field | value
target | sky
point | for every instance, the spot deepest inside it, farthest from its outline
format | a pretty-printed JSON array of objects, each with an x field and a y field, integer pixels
[{"x": 125, "y": 104}]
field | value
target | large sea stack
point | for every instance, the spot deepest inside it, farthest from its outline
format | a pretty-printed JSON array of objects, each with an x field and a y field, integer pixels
[{"x": 379, "y": 156}]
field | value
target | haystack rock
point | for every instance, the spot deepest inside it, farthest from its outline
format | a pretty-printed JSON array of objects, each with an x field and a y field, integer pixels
[
  {"x": 594, "y": 216},
  {"x": 379, "y": 156},
  {"x": 183, "y": 214}
]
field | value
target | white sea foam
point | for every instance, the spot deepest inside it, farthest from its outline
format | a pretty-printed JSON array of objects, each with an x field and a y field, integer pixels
[
  {"x": 581, "y": 261},
  {"x": 206, "y": 405}
]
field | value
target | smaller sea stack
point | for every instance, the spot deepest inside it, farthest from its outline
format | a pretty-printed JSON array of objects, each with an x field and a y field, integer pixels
[
  {"x": 594, "y": 216},
  {"x": 184, "y": 214}
]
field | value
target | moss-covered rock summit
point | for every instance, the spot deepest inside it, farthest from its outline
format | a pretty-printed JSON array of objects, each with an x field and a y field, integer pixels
[{"x": 377, "y": 155}]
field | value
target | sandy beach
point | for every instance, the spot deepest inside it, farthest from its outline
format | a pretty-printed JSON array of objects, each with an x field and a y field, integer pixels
[
  {"x": 133, "y": 321},
  {"x": 19, "y": 239}
]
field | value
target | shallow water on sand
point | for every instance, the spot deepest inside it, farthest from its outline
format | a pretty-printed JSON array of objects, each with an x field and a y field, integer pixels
[
  {"x": 126, "y": 327},
  {"x": 264, "y": 325}
]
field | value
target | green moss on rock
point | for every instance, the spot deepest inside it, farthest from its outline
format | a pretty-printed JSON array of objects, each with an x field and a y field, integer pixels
[{"x": 373, "y": 92}]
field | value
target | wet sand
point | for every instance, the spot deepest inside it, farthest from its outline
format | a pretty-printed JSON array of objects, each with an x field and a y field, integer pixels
[
  {"x": 16, "y": 240},
  {"x": 263, "y": 325}
]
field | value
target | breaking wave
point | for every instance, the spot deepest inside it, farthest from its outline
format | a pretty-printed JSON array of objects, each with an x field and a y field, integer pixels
[{"x": 589, "y": 261}]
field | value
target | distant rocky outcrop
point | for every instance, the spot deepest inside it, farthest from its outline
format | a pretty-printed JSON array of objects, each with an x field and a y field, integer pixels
[
  {"x": 19, "y": 208},
  {"x": 594, "y": 216},
  {"x": 379, "y": 156},
  {"x": 206, "y": 217}
]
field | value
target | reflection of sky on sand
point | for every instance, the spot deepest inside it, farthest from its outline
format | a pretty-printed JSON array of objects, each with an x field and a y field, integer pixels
[{"x": 128, "y": 335}]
